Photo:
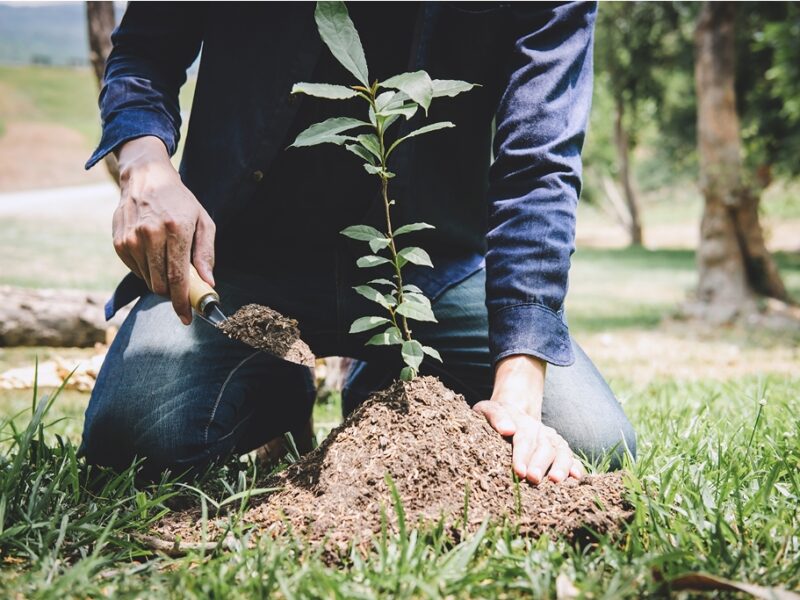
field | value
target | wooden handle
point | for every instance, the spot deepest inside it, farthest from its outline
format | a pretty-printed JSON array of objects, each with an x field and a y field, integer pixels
[{"x": 200, "y": 293}]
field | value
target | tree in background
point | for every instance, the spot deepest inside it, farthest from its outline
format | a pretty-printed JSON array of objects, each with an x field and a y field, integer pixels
[
  {"x": 101, "y": 22},
  {"x": 735, "y": 267},
  {"x": 631, "y": 49}
]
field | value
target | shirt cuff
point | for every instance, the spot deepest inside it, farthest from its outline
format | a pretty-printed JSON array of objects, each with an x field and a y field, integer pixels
[
  {"x": 133, "y": 123},
  {"x": 531, "y": 329}
]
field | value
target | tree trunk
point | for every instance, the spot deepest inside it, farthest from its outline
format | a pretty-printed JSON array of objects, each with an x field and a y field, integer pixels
[
  {"x": 622, "y": 143},
  {"x": 733, "y": 262},
  {"x": 101, "y": 22},
  {"x": 52, "y": 318}
]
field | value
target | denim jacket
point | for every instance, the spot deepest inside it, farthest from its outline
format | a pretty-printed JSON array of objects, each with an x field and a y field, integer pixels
[{"x": 501, "y": 188}]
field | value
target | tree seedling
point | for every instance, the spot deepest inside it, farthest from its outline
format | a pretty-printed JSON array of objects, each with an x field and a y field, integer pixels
[{"x": 386, "y": 102}]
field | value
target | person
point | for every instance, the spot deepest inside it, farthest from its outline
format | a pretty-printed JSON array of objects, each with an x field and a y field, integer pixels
[{"x": 261, "y": 222}]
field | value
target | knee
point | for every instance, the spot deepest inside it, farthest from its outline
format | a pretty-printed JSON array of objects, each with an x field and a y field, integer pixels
[{"x": 118, "y": 434}]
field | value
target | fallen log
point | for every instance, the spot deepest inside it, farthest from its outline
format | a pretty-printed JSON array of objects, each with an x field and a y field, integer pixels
[{"x": 53, "y": 318}]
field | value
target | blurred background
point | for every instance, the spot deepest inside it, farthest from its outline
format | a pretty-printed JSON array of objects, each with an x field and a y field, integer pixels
[{"x": 688, "y": 260}]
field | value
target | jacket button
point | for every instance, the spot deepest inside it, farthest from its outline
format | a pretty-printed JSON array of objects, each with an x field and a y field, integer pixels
[{"x": 257, "y": 176}]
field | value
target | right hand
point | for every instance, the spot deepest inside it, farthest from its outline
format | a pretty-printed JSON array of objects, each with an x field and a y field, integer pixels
[{"x": 159, "y": 226}]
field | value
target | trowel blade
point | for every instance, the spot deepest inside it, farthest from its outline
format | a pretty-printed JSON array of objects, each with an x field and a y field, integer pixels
[{"x": 213, "y": 314}]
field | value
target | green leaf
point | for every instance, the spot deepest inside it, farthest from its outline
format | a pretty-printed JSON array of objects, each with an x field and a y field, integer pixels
[
  {"x": 406, "y": 110},
  {"x": 412, "y": 227},
  {"x": 415, "y": 255},
  {"x": 450, "y": 87},
  {"x": 386, "y": 338},
  {"x": 418, "y": 298},
  {"x": 370, "y": 142},
  {"x": 363, "y": 233},
  {"x": 432, "y": 352},
  {"x": 412, "y": 353},
  {"x": 420, "y": 131},
  {"x": 340, "y": 35},
  {"x": 362, "y": 152},
  {"x": 370, "y": 260},
  {"x": 417, "y": 85},
  {"x": 382, "y": 282},
  {"x": 376, "y": 245},
  {"x": 371, "y": 293},
  {"x": 324, "y": 90},
  {"x": 416, "y": 311},
  {"x": 374, "y": 170},
  {"x": 407, "y": 374},
  {"x": 383, "y": 100},
  {"x": 367, "y": 323},
  {"x": 410, "y": 287},
  {"x": 326, "y": 132}
]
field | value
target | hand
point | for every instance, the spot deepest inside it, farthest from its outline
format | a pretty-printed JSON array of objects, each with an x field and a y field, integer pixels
[
  {"x": 515, "y": 409},
  {"x": 159, "y": 226}
]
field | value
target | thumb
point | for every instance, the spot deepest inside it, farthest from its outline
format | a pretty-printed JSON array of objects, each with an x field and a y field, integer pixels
[{"x": 498, "y": 416}]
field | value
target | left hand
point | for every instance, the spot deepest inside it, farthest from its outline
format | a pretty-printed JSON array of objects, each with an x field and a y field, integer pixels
[{"x": 515, "y": 409}]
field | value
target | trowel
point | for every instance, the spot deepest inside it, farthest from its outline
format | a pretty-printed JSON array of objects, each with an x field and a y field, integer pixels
[{"x": 206, "y": 303}]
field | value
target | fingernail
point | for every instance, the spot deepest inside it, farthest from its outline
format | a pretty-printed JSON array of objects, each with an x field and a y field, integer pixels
[
  {"x": 185, "y": 320},
  {"x": 520, "y": 471},
  {"x": 557, "y": 475},
  {"x": 536, "y": 475}
]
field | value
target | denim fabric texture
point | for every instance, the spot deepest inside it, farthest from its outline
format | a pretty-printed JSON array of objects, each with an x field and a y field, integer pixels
[
  {"x": 181, "y": 397},
  {"x": 527, "y": 120}
]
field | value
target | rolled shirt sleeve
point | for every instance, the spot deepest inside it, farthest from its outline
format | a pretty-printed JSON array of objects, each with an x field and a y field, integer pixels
[
  {"x": 154, "y": 45},
  {"x": 535, "y": 181}
]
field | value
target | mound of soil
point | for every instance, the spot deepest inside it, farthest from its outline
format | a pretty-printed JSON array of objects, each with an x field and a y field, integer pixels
[
  {"x": 268, "y": 330},
  {"x": 445, "y": 462}
]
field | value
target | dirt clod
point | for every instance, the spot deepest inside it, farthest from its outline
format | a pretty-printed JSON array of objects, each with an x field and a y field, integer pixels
[
  {"x": 444, "y": 461},
  {"x": 268, "y": 330}
]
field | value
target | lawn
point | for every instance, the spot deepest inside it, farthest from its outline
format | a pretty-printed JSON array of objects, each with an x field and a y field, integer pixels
[{"x": 716, "y": 484}]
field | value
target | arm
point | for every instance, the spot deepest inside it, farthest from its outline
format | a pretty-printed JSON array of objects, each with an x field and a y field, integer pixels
[
  {"x": 159, "y": 226},
  {"x": 534, "y": 188}
]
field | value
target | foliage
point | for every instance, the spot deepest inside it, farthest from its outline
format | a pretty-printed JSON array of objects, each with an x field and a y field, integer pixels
[{"x": 385, "y": 102}]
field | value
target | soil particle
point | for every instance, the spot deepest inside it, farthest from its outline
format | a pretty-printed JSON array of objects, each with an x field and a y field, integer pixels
[
  {"x": 444, "y": 461},
  {"x": 268, "y": 330}
]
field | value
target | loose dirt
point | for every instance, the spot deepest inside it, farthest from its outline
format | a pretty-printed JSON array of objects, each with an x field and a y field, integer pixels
[
  {"x": 444, "y": 461},
  {"x": 267, "y": 329}
]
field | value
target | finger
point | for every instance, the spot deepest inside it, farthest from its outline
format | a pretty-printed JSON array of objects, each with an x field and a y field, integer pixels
[
  {"x": 203, "y": 248},
  {"x": 120, "y": 246},
  {"x": 135, "y": 244},
  {"x": 497, "y": 415},
  {"x": 576, "y": 471},
  {"x": 178, "y": 272},
  {"x": 155, "y": 255},
  {"x": 562, "y": 463},
  {"x": 541, "y": 460},
  {"x": 524, "y": 445}
]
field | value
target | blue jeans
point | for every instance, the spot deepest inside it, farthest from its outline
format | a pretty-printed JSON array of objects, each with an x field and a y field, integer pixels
[{"x": 182, "y": 397}]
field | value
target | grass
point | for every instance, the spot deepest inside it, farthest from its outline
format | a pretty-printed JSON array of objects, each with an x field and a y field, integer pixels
[
  {"x": 716, "y": 489},
  {"x": 65, "y": 96}
]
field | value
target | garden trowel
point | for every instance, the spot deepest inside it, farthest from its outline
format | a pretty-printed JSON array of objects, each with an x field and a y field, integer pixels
[{"x": 271, "y": 333}]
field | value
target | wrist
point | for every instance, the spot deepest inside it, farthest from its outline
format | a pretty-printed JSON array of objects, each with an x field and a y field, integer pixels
[
  {"x": 142, "y": 153},
  {"x": 519, "y": 382}
]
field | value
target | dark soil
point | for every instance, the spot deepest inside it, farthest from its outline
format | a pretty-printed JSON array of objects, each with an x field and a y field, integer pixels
[
  {"x": 444, "y": 460},
  {"x": 268, "y": 330}
]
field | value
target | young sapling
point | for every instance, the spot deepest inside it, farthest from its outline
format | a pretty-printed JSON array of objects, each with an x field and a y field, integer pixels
[{"x": 385, "y": 102}]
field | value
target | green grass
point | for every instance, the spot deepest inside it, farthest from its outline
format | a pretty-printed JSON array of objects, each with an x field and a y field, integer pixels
[
  {"x": 716, "y": 489},
  {"x": 64, "y": 96}
]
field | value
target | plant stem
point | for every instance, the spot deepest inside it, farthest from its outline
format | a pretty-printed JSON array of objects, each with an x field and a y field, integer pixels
[{"x": 389, "y": 231}]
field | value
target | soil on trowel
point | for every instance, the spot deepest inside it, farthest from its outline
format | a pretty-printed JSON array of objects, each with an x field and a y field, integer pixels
[
  {"x": 445, "y": 462},
  {"x": 268, "y": 330}
]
